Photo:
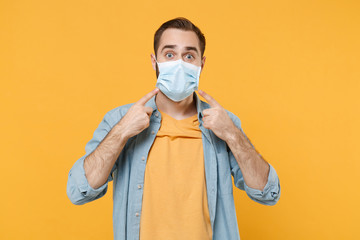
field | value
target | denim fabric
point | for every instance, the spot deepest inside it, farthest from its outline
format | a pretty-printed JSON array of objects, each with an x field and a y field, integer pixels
[{"x": 128, "y": 172}]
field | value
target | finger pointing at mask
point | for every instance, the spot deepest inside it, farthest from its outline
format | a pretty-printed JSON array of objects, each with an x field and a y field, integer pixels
[
  {"x": 138, "y": 116},
  {"x": 216, "y": 118}
]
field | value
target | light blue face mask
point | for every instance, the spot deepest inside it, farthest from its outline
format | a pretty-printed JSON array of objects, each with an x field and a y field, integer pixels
[{"x": 178, "y": 79}]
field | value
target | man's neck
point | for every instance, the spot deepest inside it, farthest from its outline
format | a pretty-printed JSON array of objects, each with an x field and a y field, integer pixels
[{"x": 178, "y": 110}]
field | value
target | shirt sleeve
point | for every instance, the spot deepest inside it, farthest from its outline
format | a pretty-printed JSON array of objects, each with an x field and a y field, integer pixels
[
  {"x": 271, "y": 192},
  {"x": 78, "y": 189}
]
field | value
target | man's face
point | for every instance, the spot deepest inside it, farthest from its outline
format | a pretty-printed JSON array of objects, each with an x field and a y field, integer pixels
[{"x": 178, "y": 44}]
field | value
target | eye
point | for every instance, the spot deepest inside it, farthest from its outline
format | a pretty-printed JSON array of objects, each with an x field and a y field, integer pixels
[
  {"x": 169, "y": 55},
  {"x": 189, "y": 56}
]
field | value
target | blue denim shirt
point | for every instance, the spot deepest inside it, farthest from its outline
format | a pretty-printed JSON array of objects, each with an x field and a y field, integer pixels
[{"x": 128, "y": 176}]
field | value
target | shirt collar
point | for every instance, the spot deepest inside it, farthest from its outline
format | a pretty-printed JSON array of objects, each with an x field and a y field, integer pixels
[{"x": 200, "y": 106}]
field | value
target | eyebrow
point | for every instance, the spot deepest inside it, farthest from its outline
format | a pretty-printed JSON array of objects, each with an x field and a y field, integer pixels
[
  {"x": 168, "y": 46},
  {"x": 189, "y": 48},
  {"x": 192, "y": 48}
]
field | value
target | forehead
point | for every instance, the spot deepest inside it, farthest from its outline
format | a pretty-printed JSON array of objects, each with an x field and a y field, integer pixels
[{"x": 181, "y": 38}]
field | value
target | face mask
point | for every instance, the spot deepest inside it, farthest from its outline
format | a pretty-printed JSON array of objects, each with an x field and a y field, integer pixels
[{"x": 178, "y": 79}]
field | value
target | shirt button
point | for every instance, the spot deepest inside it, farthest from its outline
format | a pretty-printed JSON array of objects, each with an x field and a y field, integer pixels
[
  {"x": 139, "y": 186},
  {"x": 152, "y": 132},
  {"x": 156, "y": 114},
  {"x": 137, "y": 214},
  {"x": 143, "y": 158}
]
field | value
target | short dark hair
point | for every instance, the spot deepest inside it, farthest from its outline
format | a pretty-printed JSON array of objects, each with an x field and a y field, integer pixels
[{"x": 183, "y": 24}]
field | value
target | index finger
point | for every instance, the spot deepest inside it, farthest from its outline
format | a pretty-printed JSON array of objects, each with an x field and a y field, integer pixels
[
  {"x": 209, "y": 99},
  {"x": 147, "y": 97}
]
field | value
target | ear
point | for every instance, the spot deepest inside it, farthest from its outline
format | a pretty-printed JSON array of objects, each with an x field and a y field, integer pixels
[
  {"x": 153, "y": 61},
  {"x": 203, "y": 62}
]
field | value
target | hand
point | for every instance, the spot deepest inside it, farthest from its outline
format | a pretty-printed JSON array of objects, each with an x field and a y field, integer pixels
[
  {"x": 217, "y": 119},
  {"x": 138, "y": 116}
]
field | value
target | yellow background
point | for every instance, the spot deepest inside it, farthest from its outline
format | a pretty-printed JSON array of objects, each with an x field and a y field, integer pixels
[{"x": 288, "y": 69}]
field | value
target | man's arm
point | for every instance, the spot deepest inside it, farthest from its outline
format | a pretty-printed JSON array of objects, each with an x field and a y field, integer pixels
[
  {"x": 251, "y": 172},
  {"x": 254, "y": 168},
  {"x": 270, "y": 193},
  {"x": 78, "y": 188},
  {"x": 99, "y": 163},
  {"x": 89, "y": 176}
]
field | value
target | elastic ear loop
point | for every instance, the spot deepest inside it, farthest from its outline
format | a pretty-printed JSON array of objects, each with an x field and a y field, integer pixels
[
  {"x": 156, "y": 59},
  {"x": 157, "y": 64}
]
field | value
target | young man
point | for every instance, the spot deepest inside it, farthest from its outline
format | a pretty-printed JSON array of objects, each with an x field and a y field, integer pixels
[{"x": 171, "y": 155}]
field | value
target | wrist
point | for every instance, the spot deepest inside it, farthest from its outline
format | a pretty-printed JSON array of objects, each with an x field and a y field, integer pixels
[
  {"x": 121, "y": 131},
  {"x": 233, "y": 136}
]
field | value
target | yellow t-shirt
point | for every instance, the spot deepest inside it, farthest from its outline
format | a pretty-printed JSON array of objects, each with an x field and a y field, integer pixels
[{"x": 174, "y": 204}]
